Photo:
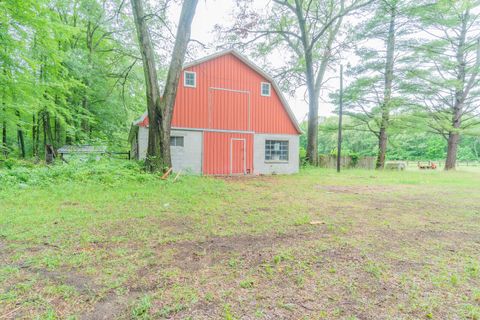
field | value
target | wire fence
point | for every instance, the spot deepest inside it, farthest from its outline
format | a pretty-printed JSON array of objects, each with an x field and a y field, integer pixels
[{"x": 439, "y": 163}]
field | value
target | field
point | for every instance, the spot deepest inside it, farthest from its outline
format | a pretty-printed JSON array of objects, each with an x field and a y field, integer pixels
[{"x": 317, "y": 245}]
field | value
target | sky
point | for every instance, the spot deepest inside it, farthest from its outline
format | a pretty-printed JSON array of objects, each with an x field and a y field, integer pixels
[{"x": 211, "y": 12}]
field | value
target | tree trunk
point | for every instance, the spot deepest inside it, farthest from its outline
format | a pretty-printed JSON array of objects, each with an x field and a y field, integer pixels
[
  {"x": 34, "y": 137},
  {"x": 160, "y": 110},
  {"x": 454, "y": 133},
  {"x": 20, "y": 136},
  {"x": 382, "y": 147},
  {"x": 48, "y": 130},
  {"x": 314, "y": 82},
  {"x": 4, "y": 139},
  {"x": 58, "y": 132},
  {"x": 451, "y": 161},
  {"x": 387, "y": 94},
  {"x": 44, "y": 126},
  {"x": 312, "y": 133}
]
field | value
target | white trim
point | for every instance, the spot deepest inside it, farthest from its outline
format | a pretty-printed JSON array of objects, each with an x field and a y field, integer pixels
[
  {"x": 244, "y": 154},
  {"x": 257, "y": 69},
  {"x": 269, "y": 89},
  {"x": 226, "y": 89},
  {"x": 185, "y": 79},
  {"x": 140, "y": 120},
  {"x": 212, "y": 130},
  {"x": 202, "y": 154}
]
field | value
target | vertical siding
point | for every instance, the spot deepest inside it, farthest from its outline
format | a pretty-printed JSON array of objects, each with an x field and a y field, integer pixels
[
  {"x": 217, "y": 149},
  {"x": 202, "y": 107}
]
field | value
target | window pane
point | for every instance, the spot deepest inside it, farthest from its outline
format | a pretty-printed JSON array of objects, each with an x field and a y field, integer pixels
[
  {"x": 176, "y": 141},
  {"x": 265, "y": 89},
  {"x": 276, "y": 150},
  {"x": 190, "y": 79}
]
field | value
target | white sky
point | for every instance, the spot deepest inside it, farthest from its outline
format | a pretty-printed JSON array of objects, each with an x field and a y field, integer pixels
[{"x": 211, "y": 12}]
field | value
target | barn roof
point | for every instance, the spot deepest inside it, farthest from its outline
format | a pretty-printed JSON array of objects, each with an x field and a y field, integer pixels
[{"x": 143, "y": 120}]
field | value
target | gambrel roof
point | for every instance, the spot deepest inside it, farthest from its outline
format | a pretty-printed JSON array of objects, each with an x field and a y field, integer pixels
[
  {"x": 143, "y": 120},
  {"x": 257, "y": 69}
]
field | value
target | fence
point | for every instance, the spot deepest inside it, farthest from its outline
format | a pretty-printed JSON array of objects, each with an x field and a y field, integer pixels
[
  {"x": 329, "y": 161},
  {"x": 440, "y": 163}
]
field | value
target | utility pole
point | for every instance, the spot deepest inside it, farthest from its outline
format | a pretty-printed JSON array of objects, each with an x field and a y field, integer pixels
[{"x": 340, "y": 114}]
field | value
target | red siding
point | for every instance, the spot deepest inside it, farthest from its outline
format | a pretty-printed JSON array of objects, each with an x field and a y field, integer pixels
[
  {"x": 243, "y": 109},
  {"x": 217, "y": 152}
]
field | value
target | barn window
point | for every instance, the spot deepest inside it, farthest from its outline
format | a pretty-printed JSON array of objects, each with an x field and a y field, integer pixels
[
  {"x": 276, "y": 150},
  {"x": 265, "y": 88},
  {"x": 190, "y": 79},
  {"x": 176, "y": 141}
]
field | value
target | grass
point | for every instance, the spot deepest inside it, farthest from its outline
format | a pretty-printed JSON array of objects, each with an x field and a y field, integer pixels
[{"x": 316, "y": 245}]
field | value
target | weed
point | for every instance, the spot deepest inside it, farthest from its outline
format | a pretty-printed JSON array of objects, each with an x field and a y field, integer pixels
[
  {"x": 228, "y": 315},
  {"x": 302, "y": 220},
  {"x": 374, "y": 269},
  {"x": 247, "y": 283},
  {"x": 142, "y": 308},
  {"x": 471, "y": 312},
  {"x": 285, "y": 255},
  {"x": 233, "y": 263}
]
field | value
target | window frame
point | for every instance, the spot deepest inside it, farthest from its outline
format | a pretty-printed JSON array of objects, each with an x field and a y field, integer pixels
[
  {"x": 271, "y": 152},
  {"x": 185, "y": 84},
  {"x": 175, "y": 138},
  {"x": 269, "y": 89}
]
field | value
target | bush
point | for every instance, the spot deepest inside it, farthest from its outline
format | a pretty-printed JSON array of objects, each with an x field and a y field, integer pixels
[
  {"x": 15, "y": 174},
  {"x": 303, "y": 157}
]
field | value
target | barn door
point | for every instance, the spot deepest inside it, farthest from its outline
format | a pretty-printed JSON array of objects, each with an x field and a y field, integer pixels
[{"x": 237, "y": 156}]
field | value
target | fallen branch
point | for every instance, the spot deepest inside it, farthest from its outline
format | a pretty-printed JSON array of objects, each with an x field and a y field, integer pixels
[
  {"x": 178, "y": 175},
  {"x": 166, "y": 174}
]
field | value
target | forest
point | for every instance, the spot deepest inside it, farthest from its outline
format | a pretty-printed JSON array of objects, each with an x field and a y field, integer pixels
[{"x": 71, "y": 71}]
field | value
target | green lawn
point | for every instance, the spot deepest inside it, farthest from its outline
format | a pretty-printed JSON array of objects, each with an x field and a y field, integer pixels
[{"x": 317, "y": 245}]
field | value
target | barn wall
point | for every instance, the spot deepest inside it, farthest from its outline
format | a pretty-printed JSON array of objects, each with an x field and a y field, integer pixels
[
  {"x": 207, "y": 107},
  {"x": 270, "y": 167},
  {"x": 189, "y": 157},
  {"x": 217, "y": 148},
  {"x": 142, "y": 142}
]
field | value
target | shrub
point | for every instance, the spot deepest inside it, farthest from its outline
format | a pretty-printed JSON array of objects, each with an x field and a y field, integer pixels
[{"x": 106, "y": 171}]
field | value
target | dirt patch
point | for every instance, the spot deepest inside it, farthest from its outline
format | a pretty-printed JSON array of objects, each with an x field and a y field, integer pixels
[
  {"x": 362, "y": 189},
  {"x": 195, "y": 255},
  {"x": 110, "y": 307},
  {"x": 81, "y": 283},
  {"x": 3, "y": 252},
  {"x": 420, "y": 235}
]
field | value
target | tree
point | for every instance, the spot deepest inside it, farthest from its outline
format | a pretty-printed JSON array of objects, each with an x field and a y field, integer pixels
[
  {"x": 67, "y": 74},
  {"x": 375, "y": 93},
  {"x": 446, "y": 82},
  {"x": 160, "y": 108},
  {"x": 307, "y": 30}
]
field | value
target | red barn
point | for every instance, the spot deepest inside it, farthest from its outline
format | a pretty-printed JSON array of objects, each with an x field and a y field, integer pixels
[{"x": 229, "y": 118}]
